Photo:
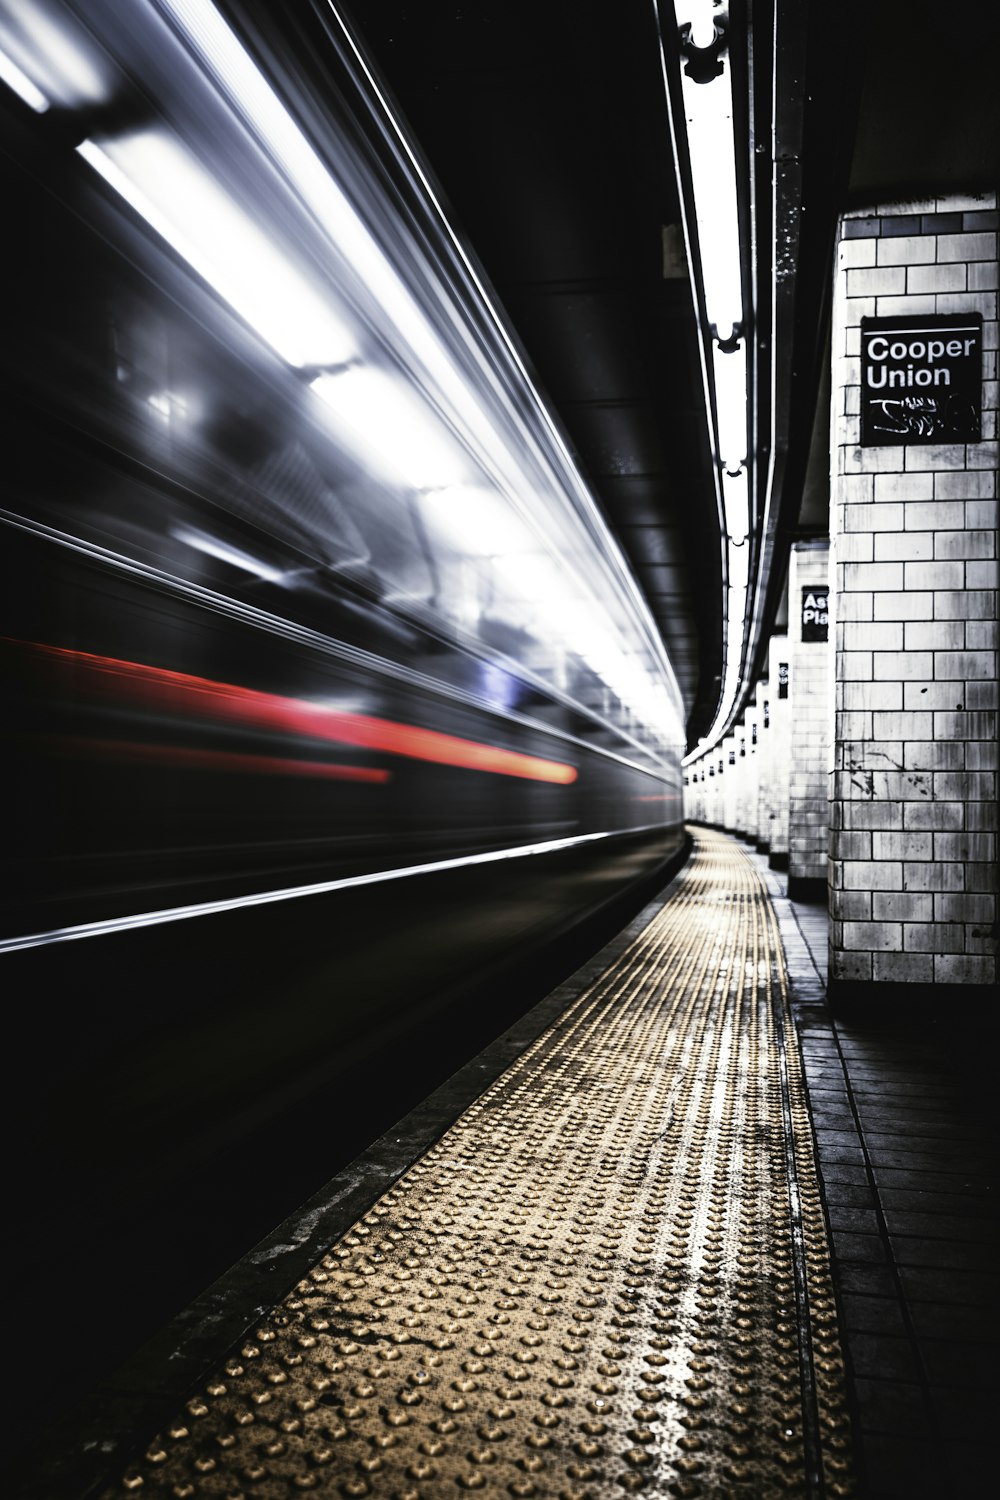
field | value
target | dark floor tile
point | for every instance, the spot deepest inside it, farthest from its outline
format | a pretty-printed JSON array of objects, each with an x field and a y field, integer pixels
[
  {"x": 872, "y": 1314},
  {"x": 977, "y": 1206},
  {"x": 891, "y": 1406},
  {"x": 827, "y": 1151},
  {"x": 942, "y": 1320},
  {"x": 848, "y": 1195},
  {"x": 889, "y": 1151},
  {"x": 972, "y": 1467},
  {"x": 942, "y": 1226},
  {"x": 865, "y": 1280},
  {"x": 858, "y": 1247},
  {"x": 882, "y": 1357},
  {"x": 964, "y": 1413},
  {"x": 854, "y": 1220},
  {"x": 958, "y": 1255},
  {"x": 960, "y": 1362},
  {"x": 902, "y": 1468},
  {"x": 836, "y": 1173},
  {"x": 958, "y": 1180},
  {"x": 936, "y": 1284}
]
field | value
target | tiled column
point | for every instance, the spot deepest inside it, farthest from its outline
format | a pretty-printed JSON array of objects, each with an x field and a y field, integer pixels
[
  {"x": 811, "y": 729},
  {"x": 729, "y": 783},
  {"x": 775, "y": 752},
  {"x": 913, "y": 857}
]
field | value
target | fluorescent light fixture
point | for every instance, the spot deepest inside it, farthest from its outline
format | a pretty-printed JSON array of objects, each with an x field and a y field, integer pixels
[
  {"x": 178, "y": 198},
  {"x": 16, "y": 79},
  {"x": 212, "y": 547},
  {"x": 736, "y": 504},
  {"x": 730, "y": 374},
  {"x": 387, "y": 423},
  {"x": 708, "y": 114}
]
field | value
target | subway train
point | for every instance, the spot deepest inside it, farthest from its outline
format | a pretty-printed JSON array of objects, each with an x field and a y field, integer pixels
[{"x": 331, "y": 703}]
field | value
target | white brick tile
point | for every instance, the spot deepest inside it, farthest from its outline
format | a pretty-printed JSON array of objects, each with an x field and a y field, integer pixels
[
  {"x": 935, "y": 456},
  {"x": 927, "y": 876},
  {"x": 850, "y": 967},
  {"x": 868, "y": 282},
  {"x": 903, "y": 606},
  {"x": 981, "y": 575},
  {"x": 908, "y": 306},
  {"x": 873, "y": 875},
  {"x": 903, "y": 726},
  {"x": 979, "y": 635},
  {"x": 952, "y": 484},
  {"x": 965, "y": 666},
  {"x": 977, "y": 724},
  {"x": 934, "y": 755},
  {"x": 966, "y": 247},
  {"x": 930, "y": 697},
  {"x": 935, "y": 575},
  {"x": 904, "y": 486},
  {"x": 873, "y": 814},
  {"x": 880, "y": 577},
  {"x": 956, "y": 203},
  {"x": 904, "y": 546},
  {"x": 856, "y": 308},
  {"x": 937, "y": 278},
  {"x": 981, "y": 695},
  {"x": 933, "y": 937},
  {"x": 983, "y": 276},
  {"x": 983, "y": 456},
  {"x": 884, "y": 697},
  {"x": 960, "y": 304},
  {"x": 855, "y": 666},
  {"x": 974, "y": 848},
  {"x": 964, "y": 604},
  {"x": 965, "y": 968},
  {"x": 937, "y": 816},
  {"x": 903, "y": 845},
  {"x": 902, "y": 906},
  {"x": 973, "y": 786},
  {"x": 934, "y": 635},
  {"x": 861, "y": 635},
  {"x": 871, "y": 460},
  {"x": 973, "y": 545},
  {"x": 934, "y": 515},
  {"x": 859, "y": 606},
  {"x": 904, "y": 250},
  {"x": 903, "y": 666},
  {"x": 855, "y": 547},
  {"x": 903, "y": 968},
  {"x": 853, "y": 253},
  {"x": 872, "y": 517},
  {"x": 885, "y": 937},
  {"x": 964, "y": 908}
]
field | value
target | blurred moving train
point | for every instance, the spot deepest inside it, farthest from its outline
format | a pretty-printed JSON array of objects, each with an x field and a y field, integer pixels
[{"x": 327, "y": 687}]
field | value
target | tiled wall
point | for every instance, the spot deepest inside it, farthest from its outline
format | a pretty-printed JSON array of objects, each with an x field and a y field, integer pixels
[
  {"x": 810, "y": 736},
  {"x": 913, "y": 842}
]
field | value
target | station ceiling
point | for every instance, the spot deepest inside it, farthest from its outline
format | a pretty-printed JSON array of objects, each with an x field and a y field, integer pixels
[{"x": 545, "y": 124}]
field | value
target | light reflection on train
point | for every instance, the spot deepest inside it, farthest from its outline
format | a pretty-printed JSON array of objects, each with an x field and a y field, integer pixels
[{"x": 302, "y": 591}]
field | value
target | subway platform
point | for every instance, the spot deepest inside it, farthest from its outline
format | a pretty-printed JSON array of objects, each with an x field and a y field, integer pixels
[{"x": 679, "y": 1232}]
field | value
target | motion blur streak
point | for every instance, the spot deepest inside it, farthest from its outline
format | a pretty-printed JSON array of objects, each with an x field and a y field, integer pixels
[
  {"x": 289, "y": 893},
  {"x": 216, "y": 760},
  {"x": 159, "y": 688}
]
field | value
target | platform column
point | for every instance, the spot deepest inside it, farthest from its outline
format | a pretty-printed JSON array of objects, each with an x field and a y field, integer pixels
[
  {"x": 810, "y": 727},
  {"x": 913, "y": 857},
  {"x": 777, "y": 739}
]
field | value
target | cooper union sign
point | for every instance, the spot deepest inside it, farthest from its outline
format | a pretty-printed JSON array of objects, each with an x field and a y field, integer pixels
[{"x": 921, "y": 379}]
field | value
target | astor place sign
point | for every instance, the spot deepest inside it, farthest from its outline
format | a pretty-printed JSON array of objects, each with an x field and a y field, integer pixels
[{"x": 921, "y": 379}]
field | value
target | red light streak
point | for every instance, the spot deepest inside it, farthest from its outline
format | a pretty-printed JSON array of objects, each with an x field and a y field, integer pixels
[{"x": 159, "y": 689}]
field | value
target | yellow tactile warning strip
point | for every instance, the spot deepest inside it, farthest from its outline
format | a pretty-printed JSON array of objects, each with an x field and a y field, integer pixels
[{"x": 611, "y": 1274}]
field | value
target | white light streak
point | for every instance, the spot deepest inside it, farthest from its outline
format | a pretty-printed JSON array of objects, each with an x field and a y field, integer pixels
[
  {"x": 184, "y": 204},
  {"x": 15, "y": 78},
  {"x": 392, "y": 426},
  {"x": 138, "y": 920}
]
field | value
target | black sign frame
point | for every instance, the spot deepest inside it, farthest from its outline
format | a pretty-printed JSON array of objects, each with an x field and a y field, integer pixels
[{"x": 925, "y": 385}]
